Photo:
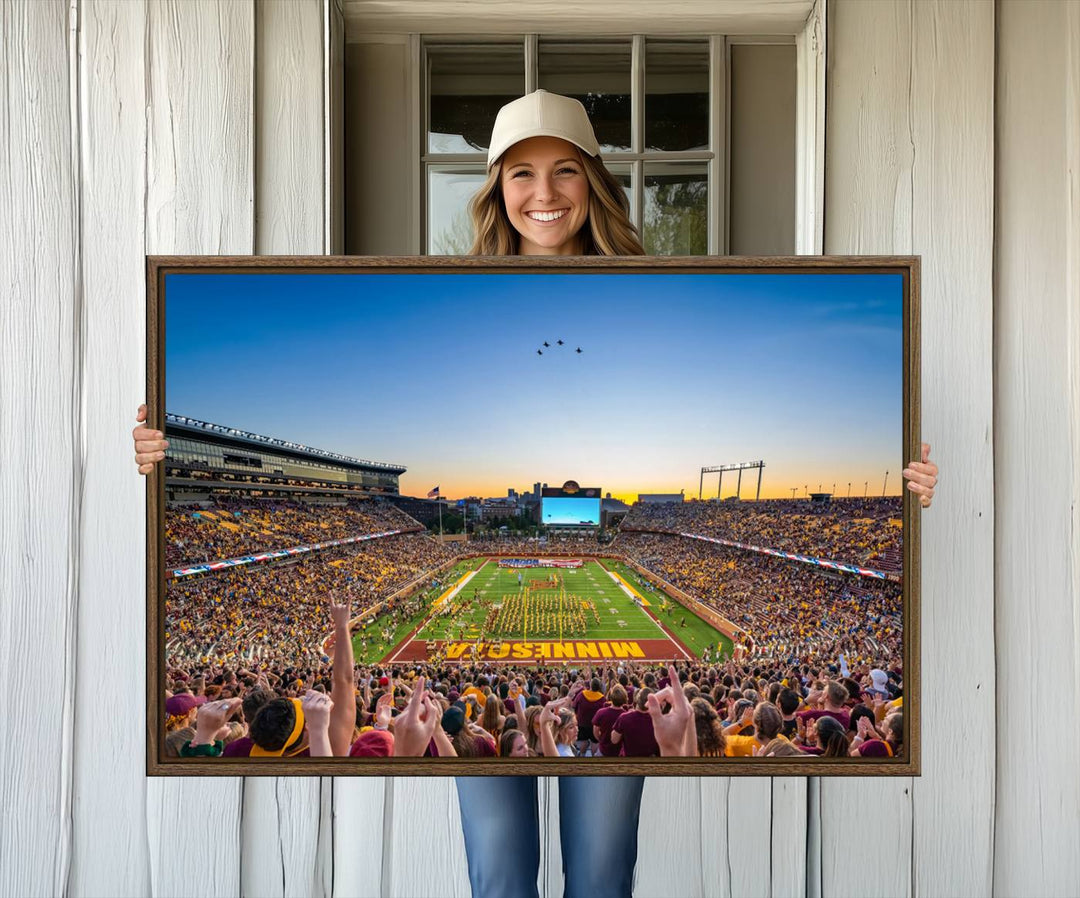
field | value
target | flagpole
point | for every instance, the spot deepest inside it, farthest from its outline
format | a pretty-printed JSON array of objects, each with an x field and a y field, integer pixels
[{"x": 439, "y": 500}]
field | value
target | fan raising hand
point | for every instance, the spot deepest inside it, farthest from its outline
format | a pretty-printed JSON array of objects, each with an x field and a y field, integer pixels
[{"x": 673, "y": 719}]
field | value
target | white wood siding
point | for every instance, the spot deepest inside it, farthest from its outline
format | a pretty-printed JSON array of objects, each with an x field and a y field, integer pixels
[
  {"x": 136, "y": 127},
  {"x": 1037, "y": 449},
  {"x": 41, "y": 434},
  {"x": 909, "y": 169},
  {"x": 110, "y": 825}
]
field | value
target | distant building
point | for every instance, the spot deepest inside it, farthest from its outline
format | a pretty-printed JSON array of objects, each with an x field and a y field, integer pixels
[
  {"x": 660, "y": 498},
  {"x": 473, "y": 506},
  {"x": 612, "y": 511},
  {"x": 426, "y": 511},
  {"x": 497, "y": 509}
]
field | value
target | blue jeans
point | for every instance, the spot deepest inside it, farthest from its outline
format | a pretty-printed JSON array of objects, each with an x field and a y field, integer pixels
[{"x": 598, "y": 823}]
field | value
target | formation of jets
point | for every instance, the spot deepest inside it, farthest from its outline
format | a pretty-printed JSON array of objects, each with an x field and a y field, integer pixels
[{"x": 547, "y": 345}]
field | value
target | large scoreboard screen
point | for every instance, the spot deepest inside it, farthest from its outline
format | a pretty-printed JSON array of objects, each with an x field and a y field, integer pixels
[{"x": 570, "y": 506}]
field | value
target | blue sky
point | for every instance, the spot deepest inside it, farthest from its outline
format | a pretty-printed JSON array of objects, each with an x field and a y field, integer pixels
[{"x": 439, "y": 372}]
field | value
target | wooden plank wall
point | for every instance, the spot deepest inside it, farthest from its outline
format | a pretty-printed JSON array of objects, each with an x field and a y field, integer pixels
[
  {"x": 41, "y": 438},
  {"x": 909, "y": 169},
  {"x": 172, "y": 126},
  {"x": 1037, "y": 447}
]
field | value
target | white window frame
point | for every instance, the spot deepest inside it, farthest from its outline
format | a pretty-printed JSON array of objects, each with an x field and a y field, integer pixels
[{"x": 809, "y": 42}]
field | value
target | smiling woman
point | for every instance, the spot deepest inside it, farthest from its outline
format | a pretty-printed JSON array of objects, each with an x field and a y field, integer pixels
[
  {"x": 546, "y": 195},
  {"x": 547, "y": 190}
]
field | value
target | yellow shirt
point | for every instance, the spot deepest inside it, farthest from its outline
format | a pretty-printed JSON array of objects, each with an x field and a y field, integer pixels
[{"x": 741, "y": 746}]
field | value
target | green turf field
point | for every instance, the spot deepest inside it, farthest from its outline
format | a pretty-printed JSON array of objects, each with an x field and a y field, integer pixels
[
  {"x": 619, "y": 617},
  {"x": 376, "y": 646},
  {"x": 544, "y": 613},
  {"x": 695, "y": 635}
]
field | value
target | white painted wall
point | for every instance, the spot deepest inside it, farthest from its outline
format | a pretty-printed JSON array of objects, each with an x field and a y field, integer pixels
[
  {"x": 761, "y": 188},
  {"x": 134, "y": 127},
  {"x": 909, "y": 147},
  {"x": 1037, "y": 447}
]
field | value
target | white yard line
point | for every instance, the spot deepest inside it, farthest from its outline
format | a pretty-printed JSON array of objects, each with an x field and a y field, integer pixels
[
  {"x": 445, "y": 597},
  {"x": 656, "y": 622}
]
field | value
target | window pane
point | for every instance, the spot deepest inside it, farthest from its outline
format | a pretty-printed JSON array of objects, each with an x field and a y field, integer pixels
[
  {"x": 676, "y": 95},
  {"x": 467, "y": 84},
  {"x": 623, "y": 174},
  {"x": 597, "y": 74},
  {"x": 449, "y": 191},
  {"x": 676, "y": 209}
]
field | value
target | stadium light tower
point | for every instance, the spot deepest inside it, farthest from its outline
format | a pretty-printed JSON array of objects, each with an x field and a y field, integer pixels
[
  {"x": 849, "y": 489},
  {"x": 886, "y": 483},
  {"x": 866, "y": 488},
  {"x": 740, "y": 467},
  {"x": 793, "y": 492}
]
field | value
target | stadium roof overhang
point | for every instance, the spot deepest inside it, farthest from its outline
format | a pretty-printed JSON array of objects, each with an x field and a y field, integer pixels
[{"x": 219, "y": 435}]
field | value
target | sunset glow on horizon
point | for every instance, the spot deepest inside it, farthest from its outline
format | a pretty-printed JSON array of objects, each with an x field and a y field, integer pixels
[{"x": 440, "y": 372}]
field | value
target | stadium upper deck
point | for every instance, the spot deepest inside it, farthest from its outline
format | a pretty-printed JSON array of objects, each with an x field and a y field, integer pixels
[{"x": 203, "y": 456}]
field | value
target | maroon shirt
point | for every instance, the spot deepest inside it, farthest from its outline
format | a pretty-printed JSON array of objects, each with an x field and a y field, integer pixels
[
  {"x": 485, "y": 749},
  {"x": 842, "y": 716},
  {"x": 874, "y": 748},
  {"x": 603, "y": 720},
  {"x": 638, "y": 740},
  {"x": 585, "y": 709},
  {"x": 238, "y": 748}
]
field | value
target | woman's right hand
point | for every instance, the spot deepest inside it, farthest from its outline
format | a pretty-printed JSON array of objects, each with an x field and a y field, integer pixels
[{"x": 150, "y": 445}]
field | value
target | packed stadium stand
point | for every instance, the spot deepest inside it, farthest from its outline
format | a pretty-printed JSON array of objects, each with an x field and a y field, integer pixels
[{"x": 263, "y": 536}]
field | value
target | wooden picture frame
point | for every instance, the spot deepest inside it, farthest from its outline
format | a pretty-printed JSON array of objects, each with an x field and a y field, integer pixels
[{"x": 159, "y": 268}]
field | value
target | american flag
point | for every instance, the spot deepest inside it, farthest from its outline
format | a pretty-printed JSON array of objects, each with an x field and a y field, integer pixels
[{"x": 433, "y": 493}]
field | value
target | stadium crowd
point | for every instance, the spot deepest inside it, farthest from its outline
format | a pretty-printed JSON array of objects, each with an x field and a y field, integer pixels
[
  {"x": 756, "y": 709},
  {"x": 248, "y": 675},
  {"x": 855, "y": 531},
  {"x": 233, "y": 527},
  {"x": 790, "y": 610},
  {"x": 533, "y": 547},
  {"x": 272, "y": 611}
]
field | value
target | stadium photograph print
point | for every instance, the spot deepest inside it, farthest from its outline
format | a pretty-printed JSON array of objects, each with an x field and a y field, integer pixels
[{"x": 437, "y": 516}]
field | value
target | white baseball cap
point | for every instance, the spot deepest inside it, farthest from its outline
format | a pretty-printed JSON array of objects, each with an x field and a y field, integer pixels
[{"x": 541, "y": 114}]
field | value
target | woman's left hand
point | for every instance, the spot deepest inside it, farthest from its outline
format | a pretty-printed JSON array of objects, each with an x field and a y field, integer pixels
[{"x": 922, "y": 477}]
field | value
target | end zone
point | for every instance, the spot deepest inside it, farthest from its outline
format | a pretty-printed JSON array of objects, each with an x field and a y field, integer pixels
[{"x": 540, "y": 651}]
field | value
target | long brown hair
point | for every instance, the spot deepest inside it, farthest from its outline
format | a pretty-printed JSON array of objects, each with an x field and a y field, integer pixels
[
  {"x": 492, "y": 718},
  {"x": 710, "y": 733},
  {"x": 607, "y": 230},
  {"x": 532, "y": 739}
]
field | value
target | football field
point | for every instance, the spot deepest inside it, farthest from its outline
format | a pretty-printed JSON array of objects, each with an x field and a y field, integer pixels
[{"x": 597, "y": 612}]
